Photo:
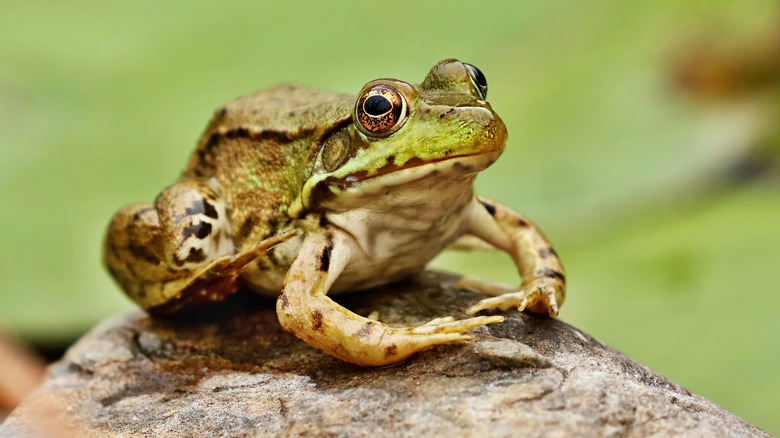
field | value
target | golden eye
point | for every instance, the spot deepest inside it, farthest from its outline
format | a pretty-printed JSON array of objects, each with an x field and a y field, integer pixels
[{"x": 381, "y": 110}]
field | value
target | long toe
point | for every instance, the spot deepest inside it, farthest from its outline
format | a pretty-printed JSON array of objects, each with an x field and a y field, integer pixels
[{"x": 457, "y": 326}]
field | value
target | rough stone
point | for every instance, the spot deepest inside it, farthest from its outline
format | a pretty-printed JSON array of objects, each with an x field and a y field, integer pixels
[{"x": 230, "y": 370}]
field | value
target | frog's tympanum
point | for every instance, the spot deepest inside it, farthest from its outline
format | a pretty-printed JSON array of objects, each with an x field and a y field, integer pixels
[{"x": 300, "y": 193}]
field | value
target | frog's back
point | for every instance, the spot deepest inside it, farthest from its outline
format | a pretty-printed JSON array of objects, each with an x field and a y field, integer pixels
[{"x": 258, "y": 149}]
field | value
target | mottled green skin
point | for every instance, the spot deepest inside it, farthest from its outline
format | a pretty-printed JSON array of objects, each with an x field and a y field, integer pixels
[
  {"x": 262, "y": 148},
  {"x": 291, "y": 157},
  {"x": 266, "y": 149}
]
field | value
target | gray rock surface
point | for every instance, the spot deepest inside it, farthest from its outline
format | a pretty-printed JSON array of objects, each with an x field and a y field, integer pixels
[{"x": 230, "y": 370}]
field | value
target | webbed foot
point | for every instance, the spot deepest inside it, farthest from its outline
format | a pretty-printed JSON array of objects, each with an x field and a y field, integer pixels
[{"x": 542, "y": 295}]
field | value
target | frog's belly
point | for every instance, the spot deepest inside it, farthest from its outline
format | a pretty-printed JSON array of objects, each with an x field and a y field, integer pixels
[
  {"x": 384, "y": 254},
  {"x": 396, "y": 236},
  {"x": 405, "y": 261}
]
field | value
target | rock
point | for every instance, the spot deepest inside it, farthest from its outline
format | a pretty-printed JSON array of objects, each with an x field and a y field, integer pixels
[{"x": 230, "y": 370}]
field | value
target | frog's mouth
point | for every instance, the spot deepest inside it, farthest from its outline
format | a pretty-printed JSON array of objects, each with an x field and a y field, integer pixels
[{"x": 392, "y": 174}]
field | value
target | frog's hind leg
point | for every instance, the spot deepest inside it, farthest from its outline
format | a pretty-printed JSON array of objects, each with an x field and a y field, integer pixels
[
  {"x": 179, "y": 251},
  {"x": 306, "y": 311}
]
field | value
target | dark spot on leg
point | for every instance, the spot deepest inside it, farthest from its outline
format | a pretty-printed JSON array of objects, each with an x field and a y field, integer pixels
[
  {"x": 391, "y": 350},
  {"x": 548, "y": 272},
  {"x": 200, "y": 230},
  {"x": 212, "y": 143},
  {"x": 316, "y": 320},
  {"x": 196, "y": 255},
  {"x": 247, "y": 227},
  {"x": 144, "y": 253},
  {"x": 210, "y": 211},
  {"x": 206, "y": 153},
  {"x": 272, "y": 257},
  {"x": 264, "y": 264},
  {"x": 202, "y": 207},
  {"x": 364, "y": 331},
  {"x": 142, "y": 212},
  {"x": 283, "y": 301},
  {"x": 547, "y": 252},
  {"x": 489, "y": 207},
  {"x": 325, "y": 258}
]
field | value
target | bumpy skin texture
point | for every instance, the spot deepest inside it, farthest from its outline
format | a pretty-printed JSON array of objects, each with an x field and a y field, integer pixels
[{"x": 311, "y": 193}]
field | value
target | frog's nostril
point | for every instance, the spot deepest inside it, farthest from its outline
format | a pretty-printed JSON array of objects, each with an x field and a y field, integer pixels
[{"x": 446, "y": 113}]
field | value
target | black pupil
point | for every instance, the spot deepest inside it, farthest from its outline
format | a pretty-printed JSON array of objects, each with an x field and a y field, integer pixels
[
  {"x": 479, "y": 78},
  {"x": 377, "y": 105}
]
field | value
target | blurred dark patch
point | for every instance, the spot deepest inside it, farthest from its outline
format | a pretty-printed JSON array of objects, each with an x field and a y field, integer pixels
[
  {"x": 712, "y": 68},
  {"x": 52, "y": 351},
  {"x": 717, "y": 70},
  {"x": 757, "y": 164},
  {"x": 243, "y": 302}
]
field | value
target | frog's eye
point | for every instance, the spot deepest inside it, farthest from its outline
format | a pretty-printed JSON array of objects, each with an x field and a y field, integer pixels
[
  {"x": 381, "y": 110},
  {"x": 478, "y": 79}
]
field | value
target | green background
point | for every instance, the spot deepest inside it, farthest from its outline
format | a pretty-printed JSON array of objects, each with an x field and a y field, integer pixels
[{"x": 670, "y": 258}]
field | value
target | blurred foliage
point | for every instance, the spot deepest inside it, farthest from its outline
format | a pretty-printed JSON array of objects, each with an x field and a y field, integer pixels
[{"x": 672, "y": 258}]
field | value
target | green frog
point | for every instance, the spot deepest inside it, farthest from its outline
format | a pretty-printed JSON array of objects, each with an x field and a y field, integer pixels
[{"x": 300, "y": 193}]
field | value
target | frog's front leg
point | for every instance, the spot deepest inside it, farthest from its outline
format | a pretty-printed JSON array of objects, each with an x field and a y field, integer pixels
[
  {"x": 305, "y": 310},
  {"x": 544, "y": 282},
  {"x": 179, "y": 251}
]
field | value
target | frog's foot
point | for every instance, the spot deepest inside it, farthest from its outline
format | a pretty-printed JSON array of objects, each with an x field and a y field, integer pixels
[
  {"x": 450, "y": 325},
  {"x": 438, "y": 321},
  {"x": 325, "y": 325},
  {"x": 542, "y": 295},
  {"x": 396, "y": 344}
]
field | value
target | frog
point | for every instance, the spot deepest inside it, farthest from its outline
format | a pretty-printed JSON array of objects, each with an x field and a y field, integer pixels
[{"x": 301, "y": 194}]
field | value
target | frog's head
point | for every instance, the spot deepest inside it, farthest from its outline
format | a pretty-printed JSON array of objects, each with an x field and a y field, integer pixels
[{"x": 397, "y": 133}]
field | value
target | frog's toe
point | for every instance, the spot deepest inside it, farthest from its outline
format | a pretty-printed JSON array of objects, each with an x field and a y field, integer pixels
[
  {"x": 545, "y": 297},
  {"x": 552, "y": 303},
  {"x": 430, "y": 339},
  {"x": 539, "y": 298},
  {"x": 449, "y": 325},
  {"x": 440, "y": 320},
  {"x": 503, "y": 302}
]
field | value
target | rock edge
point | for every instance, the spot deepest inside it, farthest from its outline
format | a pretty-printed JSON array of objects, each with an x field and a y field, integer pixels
[{"x": 230, "y": 370}]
